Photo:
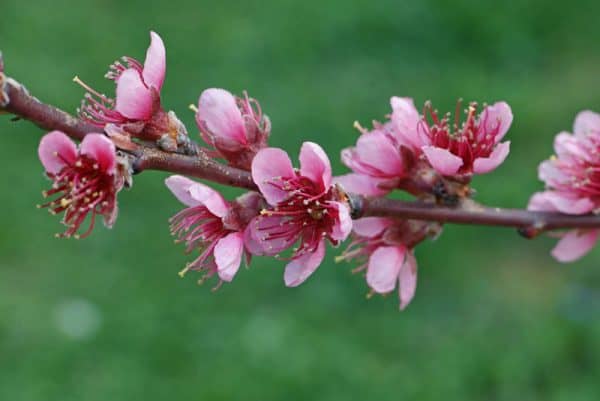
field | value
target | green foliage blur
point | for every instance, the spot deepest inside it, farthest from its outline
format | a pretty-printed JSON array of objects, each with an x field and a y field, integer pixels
[{"x": 107, "y": 318}]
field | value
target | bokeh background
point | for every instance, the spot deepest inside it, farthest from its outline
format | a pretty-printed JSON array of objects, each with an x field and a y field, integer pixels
[{"x": 107, "y": 318}]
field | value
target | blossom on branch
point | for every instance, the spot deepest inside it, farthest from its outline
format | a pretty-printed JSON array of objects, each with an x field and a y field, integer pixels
[
  {"x": 572, "y": 179},
  {"x": 379, "y": 162},
  {"x": 211, "y": 225},
  {"x": 384, "y": 246},
  {"x": 86, "y": 180},
  {"x": 452, "y": 147},
  {"x": 420, "y": 154},
  {"x": 136, "y": 108},
  {"x": 305, "y": 208},
  {"x": 235, "y": 127}
]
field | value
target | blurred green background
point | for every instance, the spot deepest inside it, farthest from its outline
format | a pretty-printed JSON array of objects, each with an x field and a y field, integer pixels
[{"x": 108, "y": 318}]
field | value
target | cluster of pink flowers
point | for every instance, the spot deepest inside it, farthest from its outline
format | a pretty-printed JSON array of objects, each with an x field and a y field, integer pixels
[
  {"x": 412, "y": 151},
  {"x": 296, "y": 212},
  {"x": 419, "y": 154},
  {"x": 572, "y": 179},
  {"x": 294, "y": 207}
]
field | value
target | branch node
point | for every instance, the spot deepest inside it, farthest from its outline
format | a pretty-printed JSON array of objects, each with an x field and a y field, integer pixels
[{"x": 532, "y": 231}]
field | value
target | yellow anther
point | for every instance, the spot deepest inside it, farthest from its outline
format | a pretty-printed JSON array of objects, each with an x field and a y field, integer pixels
[
  {"x": 65, "y": 202},
  {"x": 185, "y": 270},
  {"x": 193, "y": 108}
]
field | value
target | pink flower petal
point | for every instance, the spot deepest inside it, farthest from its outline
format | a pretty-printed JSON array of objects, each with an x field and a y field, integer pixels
[
  {"x": 218, "y": 110},
  {"x": 574, "y": 245},
  {"x": 315, "y": 165},
  {"x": 370, "y": 227},
  {"x": 298, "y": 270},
  {"x": 102, "y": 150},
  {"x": 180, "y": 187},
  {"x": 550, "y": 173},
  {"x": 586, "y": 123},
  {"x": 442, "y": 160},
  {"x": 539, "y": 202},
  {"x": 569, "y": 203},
  {"x": 407, "y": 280},
  {"x": 251, "y": 242},
  {"x": 484, "y": 165},
  {"x": 565, "y": 144},
  {"x": 210, "y": 198},
  {"x": 228, "y": 255},
  {"x": 271, "y": 164},
  {"x": 384, "y": 267},
  {"x": 256, "y": 236},
  {"x": 155, "y": 65},
  {"x": 364, "y": 184},
  {"x": 572, "y": 148},
  {"x": 405, "y": 120},
  {"x": 343, "y": 224},
  {"x": 376, "y": 149},
  {"x": 56, "y": 150},
  {"x": 497, "y": 119},
  {"x": 134, "y": 99}
]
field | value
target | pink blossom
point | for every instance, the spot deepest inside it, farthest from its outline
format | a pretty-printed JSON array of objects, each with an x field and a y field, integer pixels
[
  {"x": 136, "y": 108},
  {"x": 385, "y": 247},
  {"x": 572, "y": 179},
  {"x": 234, "y": 127},
  {"x": 379, "y": 161},
  {"x": 211, "y": 225},
  {"x": 404, "y": 122},
  {"x": 454, "y": 148},
  {"x": 86, "y": 180},
  {"x": 305, "y": 208}
]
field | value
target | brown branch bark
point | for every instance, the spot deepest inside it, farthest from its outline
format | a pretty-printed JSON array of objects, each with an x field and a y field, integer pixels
[
  {"x": 200, "y": 166},
  {"x": 530, "y": 223},
  {"x": 27, "y": 107},
  {"x": 15, "y": 99}
]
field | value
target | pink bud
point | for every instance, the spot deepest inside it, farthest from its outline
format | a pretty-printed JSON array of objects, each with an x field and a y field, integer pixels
[{"x": 234, "y": 127}]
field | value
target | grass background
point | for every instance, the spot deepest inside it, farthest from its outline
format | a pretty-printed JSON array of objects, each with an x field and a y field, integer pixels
[{"x": 108, "y": 318}]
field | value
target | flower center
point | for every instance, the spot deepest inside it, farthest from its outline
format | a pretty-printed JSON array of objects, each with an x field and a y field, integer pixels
[
  {"x": 466, "y": 140},
  {"x": 306, "y": 215},
  {"x": 82, "y": 189}
]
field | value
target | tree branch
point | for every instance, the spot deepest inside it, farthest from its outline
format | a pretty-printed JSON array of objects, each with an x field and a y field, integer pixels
[
  {"x": 19, "y": 102},
  {"x": 200, "y": 166},
  {"x": 15, "y": 99},
  {"x": 530, "y": 223}
]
